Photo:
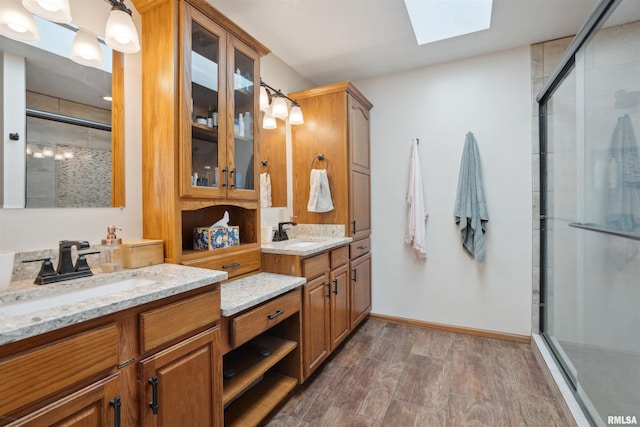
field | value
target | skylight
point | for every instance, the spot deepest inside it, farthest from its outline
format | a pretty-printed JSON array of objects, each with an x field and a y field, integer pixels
[{"x": 434, "y": 20}]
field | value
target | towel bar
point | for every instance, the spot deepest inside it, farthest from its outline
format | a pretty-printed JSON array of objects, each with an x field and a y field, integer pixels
[{"x": 320, "y": 157}]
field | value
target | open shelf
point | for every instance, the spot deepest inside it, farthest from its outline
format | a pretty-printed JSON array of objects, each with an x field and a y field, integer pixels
[
  {"x": 259, "y": 401},
  {"x": 251, "y": 365}
]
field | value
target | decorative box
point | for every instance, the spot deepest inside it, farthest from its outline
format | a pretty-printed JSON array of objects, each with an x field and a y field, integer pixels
[
  {"x": 142, "y": 252},
  {"x": 209, "y": 238}
]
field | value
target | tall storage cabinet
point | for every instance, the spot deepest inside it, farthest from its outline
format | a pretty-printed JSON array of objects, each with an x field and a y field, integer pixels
[
  {"x": 201, "y": 72},
  {"x": 337, "y": 129}
]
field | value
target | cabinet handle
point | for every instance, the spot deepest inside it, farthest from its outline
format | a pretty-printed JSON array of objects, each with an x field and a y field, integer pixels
[
  {"x": 116, "y": 410},
  {"x": 276, "y": 314},
  {"x": 353, "y": 224},
  {"x": 354, "y": 275},
  {"x": 225, "y": 172},
  {"x": 234, "y": 265},
  {"x": 362, "y": 247},
  {"x": 154, "y": 388},
  {"x": 233, "y": 178},
  {"x": 328, "y": 285},
  {"x": 335, "y": 290}
]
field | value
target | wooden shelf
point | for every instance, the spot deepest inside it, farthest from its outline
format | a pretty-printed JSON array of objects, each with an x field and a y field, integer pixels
[
  {"x": 192, "y": 254},
  {"x": 252, "y": 365},
  {"x": 259, "y": 401},
  {"x": 204, "y": 132}
]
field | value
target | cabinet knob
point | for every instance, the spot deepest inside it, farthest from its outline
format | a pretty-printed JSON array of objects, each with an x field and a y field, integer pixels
[
  {"x": 154, "y": 389},
  {"x": 116, "y": 410},
  {"x": 276, "y": 314},
  {"x": 335, "y": 288},
  {"x": 328, "y": 285}
]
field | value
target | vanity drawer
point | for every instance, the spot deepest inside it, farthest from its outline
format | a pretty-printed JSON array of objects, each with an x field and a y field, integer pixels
[
  {"x": 254, "y": 322},
  {"x": 235, "y": 264},
  {"x": 315, "y": 265},
  {"x": 166, "y": 323},
  {"x": 33, "y": 375},
  {"x": 339, "y": 256},
  {"x": 360, "y": 247}
]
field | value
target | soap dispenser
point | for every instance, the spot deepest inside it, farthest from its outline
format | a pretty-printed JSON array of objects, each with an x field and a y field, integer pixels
[{"x": 111, "y": 251}]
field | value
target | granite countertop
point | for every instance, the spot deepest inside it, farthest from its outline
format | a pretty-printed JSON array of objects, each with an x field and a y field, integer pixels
[
  {"x": 304, "y": 246},
  {"x": 162, "y": 281},
  {"x": 241, "y": 294}
]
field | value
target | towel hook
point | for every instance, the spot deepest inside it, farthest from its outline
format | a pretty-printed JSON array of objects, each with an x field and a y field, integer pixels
[
  {"x": 266, "y": 163},
  {"x": 320, "y": 157}
]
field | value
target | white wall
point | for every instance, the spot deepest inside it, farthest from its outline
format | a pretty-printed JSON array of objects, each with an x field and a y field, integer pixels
[{"x": 490, "y": 96}]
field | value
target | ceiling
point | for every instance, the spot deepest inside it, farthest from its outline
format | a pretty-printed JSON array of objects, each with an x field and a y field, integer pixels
[{"x": 334, "y": 40}]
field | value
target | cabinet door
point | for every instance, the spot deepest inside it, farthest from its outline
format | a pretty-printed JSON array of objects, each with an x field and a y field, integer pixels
[
  {"x": 93, "y": 406},
  {"x": 359, "y": 179},
  {"x": 182, "y": 385},
  {"x": 203, "y": 143},
  {"x": 360, "y": 289},
  {"x": 243, "y": 85},
  {"x": 316, "y": 308},
  {"x": 340, "y": 320}
]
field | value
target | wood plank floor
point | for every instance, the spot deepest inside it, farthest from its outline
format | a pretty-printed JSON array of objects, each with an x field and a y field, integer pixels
[{"x": 397, "y": 375}]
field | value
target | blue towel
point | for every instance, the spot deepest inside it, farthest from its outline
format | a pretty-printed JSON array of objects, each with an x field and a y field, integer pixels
[{"x": 470, "y": 210}]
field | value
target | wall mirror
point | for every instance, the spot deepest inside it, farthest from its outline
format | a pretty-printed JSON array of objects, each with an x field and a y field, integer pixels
[{"x": 71, "y": 136}]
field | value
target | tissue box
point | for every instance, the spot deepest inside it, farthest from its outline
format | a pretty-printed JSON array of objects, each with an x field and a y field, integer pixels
[{"x": 209, "y": 238}]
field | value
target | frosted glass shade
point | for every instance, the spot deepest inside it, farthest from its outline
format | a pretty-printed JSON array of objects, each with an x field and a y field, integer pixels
[
  {"x": 295, "y": 115},
  {"x": 269, "y": 122},
  {"x": 16, "y": 22},
  {"x": 120, "y": 33},
  {"x": 279, "y": 108},
  {"x": 85, "y": 49},
  {"x": 53, "y": 10},
  {"x": 264, "y": 98}
]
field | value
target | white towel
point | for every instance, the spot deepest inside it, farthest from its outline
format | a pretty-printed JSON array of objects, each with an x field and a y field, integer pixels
[
  {"x": 417, "y": 214},
  {"x": 265, "y": 190},
  {"x": 319, "y": 192}
]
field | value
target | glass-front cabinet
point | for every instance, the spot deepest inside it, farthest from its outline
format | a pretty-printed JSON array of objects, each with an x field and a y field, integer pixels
[{"x": 219, "y": 79}]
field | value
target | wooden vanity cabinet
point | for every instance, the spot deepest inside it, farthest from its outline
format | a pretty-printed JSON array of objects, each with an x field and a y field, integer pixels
[
  {"x": 96, "y": 372},
  {"x": 260, "y": 382},
  {"x": 326, "y": 300},
  {"x": 197, "y": 62}
]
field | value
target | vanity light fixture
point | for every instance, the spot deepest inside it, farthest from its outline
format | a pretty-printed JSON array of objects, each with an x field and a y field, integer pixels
[
  {"x": 85, "y": 49},
  {"x": 17, "y": 23},
  {"x": 278, "y": 107}
]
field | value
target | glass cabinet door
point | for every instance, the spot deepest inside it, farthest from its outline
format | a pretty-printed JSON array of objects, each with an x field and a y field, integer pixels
[
  {"x": 203, "y": 137},
  {"x": 245, "y": 84}
]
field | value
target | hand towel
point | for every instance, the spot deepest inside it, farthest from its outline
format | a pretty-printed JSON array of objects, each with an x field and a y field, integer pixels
[
  {"x": 265, "y": 190},
  {"x": 623, "y": 193},
  {"x": 417, "y": 214},
  {"x": 319, "y": 192},
  {"x": 470, "y": 209}
]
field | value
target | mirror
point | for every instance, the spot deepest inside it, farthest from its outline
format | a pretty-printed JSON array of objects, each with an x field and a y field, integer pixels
[{"x": 72, "y": 151}]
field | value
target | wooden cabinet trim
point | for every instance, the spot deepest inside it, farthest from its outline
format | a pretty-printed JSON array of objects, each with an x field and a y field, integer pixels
[
  {"x": 35, "y": 374},
  {"x": 173, "y": 321}
]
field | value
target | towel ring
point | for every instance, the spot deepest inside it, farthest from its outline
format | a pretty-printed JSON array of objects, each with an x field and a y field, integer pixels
[
  {"x": 320, "y": 157},
  {"x": 266, "y": 163}
]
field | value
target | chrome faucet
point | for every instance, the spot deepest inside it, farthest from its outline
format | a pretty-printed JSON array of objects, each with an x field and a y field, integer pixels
[
  {"x": 281, "y": 233},
  {"x": 66, "y": 269}
]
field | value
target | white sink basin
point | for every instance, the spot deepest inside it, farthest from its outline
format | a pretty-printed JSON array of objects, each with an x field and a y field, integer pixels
[{"x": 72, "y": 296}]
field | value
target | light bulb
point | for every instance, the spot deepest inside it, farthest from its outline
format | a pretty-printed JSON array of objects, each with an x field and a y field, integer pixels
[
  {"x": 120, "y": 33},
  {"x": 264, "y": 98},
  {"x": 269, "y": 122},
  {"x": 85, "y": 49}
]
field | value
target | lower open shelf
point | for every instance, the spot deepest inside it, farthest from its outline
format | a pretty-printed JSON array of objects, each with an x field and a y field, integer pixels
[
  {"x": 249, "y": 365},
  {"x": 259, "y": 400}
]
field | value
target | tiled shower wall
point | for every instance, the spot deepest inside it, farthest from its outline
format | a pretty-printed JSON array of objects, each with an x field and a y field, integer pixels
[
  {"x": 544, "y": 59},
  {"x": 82, "y": 179}
]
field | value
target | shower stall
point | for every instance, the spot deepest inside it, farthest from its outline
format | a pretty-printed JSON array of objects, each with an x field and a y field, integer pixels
[{"x": 590, "y": 213}]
